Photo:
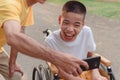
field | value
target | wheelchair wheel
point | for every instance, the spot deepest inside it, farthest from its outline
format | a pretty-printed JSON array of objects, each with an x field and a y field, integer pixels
[
  {"x": 36, "y": 74},
  {"x": 42, "y": 73}
]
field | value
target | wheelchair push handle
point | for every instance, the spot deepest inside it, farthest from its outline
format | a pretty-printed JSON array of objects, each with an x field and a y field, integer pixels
[{"x": 112, "y": 77}]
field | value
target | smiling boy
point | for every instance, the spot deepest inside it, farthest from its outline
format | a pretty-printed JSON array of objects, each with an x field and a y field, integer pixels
[{"x": 74, "y": 36}]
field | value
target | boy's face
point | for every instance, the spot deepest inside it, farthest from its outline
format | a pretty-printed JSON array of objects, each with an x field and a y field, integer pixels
[{"x": 71, "y": 25}]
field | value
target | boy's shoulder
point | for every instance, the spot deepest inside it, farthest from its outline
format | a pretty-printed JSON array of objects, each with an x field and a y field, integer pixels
[
  {"x": 86, "y": 28},
  {"x": 56, "y": 32}
]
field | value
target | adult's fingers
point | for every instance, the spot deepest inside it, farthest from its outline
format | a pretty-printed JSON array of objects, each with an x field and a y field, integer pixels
[
  {"x": 77, "y": 71},
  {"x": 11, "y": 71},
  {"x": 84, "y": 64},
  {"x": 17, "y": 69},
  {"x": 67, "y": 76},
  {"x": 21, "y": 72}
]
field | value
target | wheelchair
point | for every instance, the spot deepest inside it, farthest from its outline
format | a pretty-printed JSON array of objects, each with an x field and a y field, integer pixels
[{"x": 49, "y": 72}]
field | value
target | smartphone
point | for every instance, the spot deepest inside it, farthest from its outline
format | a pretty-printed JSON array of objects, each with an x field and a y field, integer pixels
[{"x": 93, "y": 63}]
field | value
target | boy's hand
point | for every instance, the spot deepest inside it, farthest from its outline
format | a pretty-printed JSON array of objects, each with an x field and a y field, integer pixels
[
  {"x": 14, "y": 68},
  {"x": 97, "y": 76}
]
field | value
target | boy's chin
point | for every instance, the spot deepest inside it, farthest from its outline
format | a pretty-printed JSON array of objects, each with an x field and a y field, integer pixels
[{"x": 69, "y": 39}]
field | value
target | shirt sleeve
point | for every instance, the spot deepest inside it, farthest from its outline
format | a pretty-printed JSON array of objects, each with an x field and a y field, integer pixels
[
  {"x": 91, "y": 42},
  {"x": 48, "y": 42},
  {"x": 8, "y": 11}
]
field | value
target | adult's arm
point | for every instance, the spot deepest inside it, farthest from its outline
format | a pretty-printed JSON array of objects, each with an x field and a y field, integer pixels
[
  {"x": 13, "y": 56},
  {"x": 31, "y": 47}
]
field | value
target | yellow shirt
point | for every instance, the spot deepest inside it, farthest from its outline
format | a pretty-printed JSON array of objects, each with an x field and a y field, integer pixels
[{"x": 15, "y": 10}]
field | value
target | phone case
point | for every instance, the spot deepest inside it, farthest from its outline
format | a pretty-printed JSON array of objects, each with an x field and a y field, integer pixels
[{"x": 93, "y": 63}]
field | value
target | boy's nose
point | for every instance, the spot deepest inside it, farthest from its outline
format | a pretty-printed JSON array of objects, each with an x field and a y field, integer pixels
[{"x": 70, "y": 28}]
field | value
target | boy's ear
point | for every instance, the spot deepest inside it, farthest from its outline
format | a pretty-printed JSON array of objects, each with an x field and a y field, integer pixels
[{"x": 59, "y": 19}]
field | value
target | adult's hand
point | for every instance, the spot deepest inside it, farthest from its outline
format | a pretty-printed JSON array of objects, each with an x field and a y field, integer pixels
[
  {"x": 66, "y": 76},
  {"x": 70, "y": 64},
  {"x": 14, "y": 68}
]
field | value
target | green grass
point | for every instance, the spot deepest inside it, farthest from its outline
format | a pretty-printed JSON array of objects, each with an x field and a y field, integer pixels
[{"x": 106, "y": 9}]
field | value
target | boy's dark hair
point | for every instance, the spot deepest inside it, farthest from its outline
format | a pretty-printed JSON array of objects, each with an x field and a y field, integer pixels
[{"x": 74, "y": 6}]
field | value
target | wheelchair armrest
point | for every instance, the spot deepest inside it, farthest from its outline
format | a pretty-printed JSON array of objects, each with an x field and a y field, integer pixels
[
  {"x": 53, "y": 68},
  {"x": 104, "y": 61}
]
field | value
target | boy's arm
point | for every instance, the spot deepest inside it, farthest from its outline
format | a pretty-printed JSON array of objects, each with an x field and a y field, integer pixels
[{"x": 12, "y": 62}]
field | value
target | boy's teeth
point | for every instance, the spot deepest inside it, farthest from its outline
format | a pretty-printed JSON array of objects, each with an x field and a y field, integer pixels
[{"x": 69, "y": 35}]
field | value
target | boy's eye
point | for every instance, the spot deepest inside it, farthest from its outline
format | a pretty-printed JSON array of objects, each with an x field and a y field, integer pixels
[
  {"x": 77, "y": 25},
  {"x": 65, "y": 22}
]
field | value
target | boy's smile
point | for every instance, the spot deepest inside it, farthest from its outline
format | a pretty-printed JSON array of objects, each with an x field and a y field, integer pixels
[
  {"x": 68, "y": 36},
  {"x": 70, "y": 24}
]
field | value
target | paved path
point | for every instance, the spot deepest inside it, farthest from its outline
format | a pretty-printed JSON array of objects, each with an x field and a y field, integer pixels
[{"x": 106, "y": 33}]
